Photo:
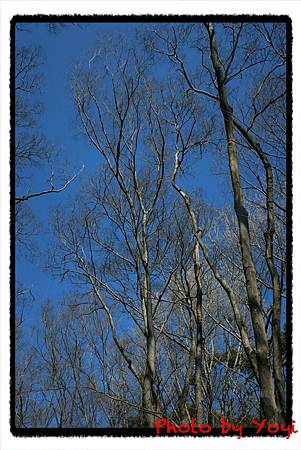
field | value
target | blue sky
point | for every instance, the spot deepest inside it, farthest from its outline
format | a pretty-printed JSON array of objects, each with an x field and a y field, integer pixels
[{"x": 61, "y": 51}]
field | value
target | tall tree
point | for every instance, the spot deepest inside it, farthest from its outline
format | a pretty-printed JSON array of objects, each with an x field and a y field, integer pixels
[
  {"x": 237, "y": 58},
  {"x": 177, "y": 309}
]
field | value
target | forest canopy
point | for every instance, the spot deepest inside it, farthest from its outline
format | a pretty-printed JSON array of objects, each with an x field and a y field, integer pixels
[{"x": 151, "y": 223}]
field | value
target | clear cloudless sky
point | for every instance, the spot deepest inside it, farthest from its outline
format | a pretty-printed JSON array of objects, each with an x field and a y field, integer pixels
[{"x": 61, "y": 51}]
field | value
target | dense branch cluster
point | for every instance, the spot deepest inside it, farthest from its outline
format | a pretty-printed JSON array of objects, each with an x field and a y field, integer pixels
[{"x": 178, "y": 307}]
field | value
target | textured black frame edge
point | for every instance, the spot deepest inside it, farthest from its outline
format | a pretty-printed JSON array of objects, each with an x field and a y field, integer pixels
[{"x": 145, "y": 432}]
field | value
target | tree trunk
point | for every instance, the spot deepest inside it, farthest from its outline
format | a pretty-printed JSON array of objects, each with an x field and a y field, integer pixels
[
  {"x": 149, "y": 397},
  {"x": 183, "y": 413},
  {"x": 267, "y": 393},
  {"x": 199, "y": 335},
  {"x": 269, "y": 257}
]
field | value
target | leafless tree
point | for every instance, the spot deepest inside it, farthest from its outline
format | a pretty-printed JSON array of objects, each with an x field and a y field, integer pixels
[
  {"x": 177, "y": 309},
  {"x": 220, "y": 66},
  {"x": 32, "y": 148}
]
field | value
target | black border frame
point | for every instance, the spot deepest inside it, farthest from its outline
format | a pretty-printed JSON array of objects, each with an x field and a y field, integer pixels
[{"x": 166, "y": 18}]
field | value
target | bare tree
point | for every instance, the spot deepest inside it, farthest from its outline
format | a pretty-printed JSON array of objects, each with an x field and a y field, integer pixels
[
  {"x": 221, "y": 71},
  {"x": 178, "y": 304},
  {"x": 129, "y": 197},
  {"x": 32, "y": 148}
]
